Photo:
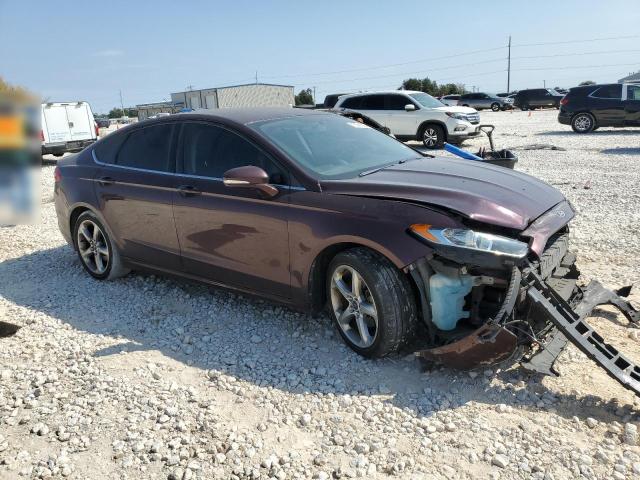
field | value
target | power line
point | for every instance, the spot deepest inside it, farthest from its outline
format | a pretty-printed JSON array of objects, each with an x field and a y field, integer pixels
[
  {"x": 601, "y": 39},
  {"x": 601, "y": 52},
  {"x": 576, "y": 67}
]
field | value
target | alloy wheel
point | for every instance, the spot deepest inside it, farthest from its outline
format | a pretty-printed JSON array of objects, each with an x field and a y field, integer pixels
[
  {"x": 92, "y": 245},
  {"x": 582, "y": 123},
  {"x": 430, "y": 137},
  {"x": 353, "y": 305}
]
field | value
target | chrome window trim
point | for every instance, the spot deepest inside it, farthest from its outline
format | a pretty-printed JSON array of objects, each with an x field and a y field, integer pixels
[{"x": 200, "y": 177}]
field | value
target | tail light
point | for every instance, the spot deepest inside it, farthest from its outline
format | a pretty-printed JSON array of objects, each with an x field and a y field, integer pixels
[
  {"x": 564, "y": 101},
  {"x": 97, "y": 129},
  {"x": 57, "y": 176},
  {"x": 41, "y": 136}
]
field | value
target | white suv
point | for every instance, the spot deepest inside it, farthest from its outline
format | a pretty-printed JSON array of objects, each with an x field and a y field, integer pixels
[{"x": 415, "y": 116}]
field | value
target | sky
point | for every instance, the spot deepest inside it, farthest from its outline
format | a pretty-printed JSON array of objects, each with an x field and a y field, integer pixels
[{"x": 93, "y": 50}]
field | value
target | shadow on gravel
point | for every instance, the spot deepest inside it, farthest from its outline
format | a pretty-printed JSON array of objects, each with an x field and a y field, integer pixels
[
  {"x": 597, "y": 133},
  {"x": 255, "y": 341},
  {"x": 621, "y": 151}
]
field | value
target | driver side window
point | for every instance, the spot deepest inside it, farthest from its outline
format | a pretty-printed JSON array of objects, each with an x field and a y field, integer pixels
[
  {"x": 209, "y": 151},
  {"x": 633, "y": 92}
]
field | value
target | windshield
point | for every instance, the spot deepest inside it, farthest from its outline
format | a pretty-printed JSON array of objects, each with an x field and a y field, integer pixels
[
  {"x": 333, "y": 147},
  {"x": 553, "y": 92},
  {"x": 426, "y": 100}
]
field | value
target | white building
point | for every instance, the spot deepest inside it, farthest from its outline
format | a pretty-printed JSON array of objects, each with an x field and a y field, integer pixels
[
  {"x": 632, "y": 77},
  {"x": 249, "y": 95}
]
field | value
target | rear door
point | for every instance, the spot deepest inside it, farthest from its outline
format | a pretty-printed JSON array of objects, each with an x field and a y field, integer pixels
[
  {"x": 399, "y": 120},
  {"x": 632, "y": 105},
  {"x": 373, "y": 106},
  {"x": 606, "y": 105},
  {"x": 55, "y": 124},
  {"x": 230, "y": 236},
  {"x": 81, "y": 123},
  {"x": 134, "y": 191}
]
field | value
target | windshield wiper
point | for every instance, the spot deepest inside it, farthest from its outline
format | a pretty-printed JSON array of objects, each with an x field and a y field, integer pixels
[{"x": 374, "y": 170}]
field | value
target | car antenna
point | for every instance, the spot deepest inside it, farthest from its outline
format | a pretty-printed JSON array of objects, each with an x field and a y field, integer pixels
[{"x": 319, "y": 186}]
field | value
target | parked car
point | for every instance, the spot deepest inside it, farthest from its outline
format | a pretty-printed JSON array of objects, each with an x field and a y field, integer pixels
[
  {"x": 481, "y": 101},
  {"x": 313, "y": 209},
  {"x": 590, "y": 107},
  {"x": 66, "y": 127},
  {"x": 450, "y": 100},
  {"x": 160, "y": 115},
  {"x": 103, "y": 122},
  {"x": 509, "y": 100},
  {"x": 537, "y": 98},
  {"x": 412, "y": 115},
  {"x": 330, "y": 100}
]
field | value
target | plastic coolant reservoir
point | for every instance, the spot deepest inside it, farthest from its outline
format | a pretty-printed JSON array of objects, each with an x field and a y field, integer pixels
[{"x": 447, "y": 299}]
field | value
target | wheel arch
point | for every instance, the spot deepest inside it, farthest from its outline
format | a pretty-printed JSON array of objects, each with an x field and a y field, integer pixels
[
  {"x": 78, "y": 210},
  {"x": 426, "y": 123},
  {"x": 317, "y": 293}
]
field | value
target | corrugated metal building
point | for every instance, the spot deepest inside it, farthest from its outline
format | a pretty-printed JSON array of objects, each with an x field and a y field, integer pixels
[
  {"x": 146, "y": 110},
  {"x": 249, "y": 95},
  {"x": 633, "y": 77}
]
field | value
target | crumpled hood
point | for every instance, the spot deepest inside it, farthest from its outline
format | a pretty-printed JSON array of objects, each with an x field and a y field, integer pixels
[{"x": 485, "y": 193}]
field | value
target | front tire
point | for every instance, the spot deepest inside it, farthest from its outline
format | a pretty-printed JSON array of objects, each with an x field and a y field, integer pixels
[
  {"x": 433, "y": 136},
  {"x": 371, "y": 303},
  {"x": 583, "y": 123},
  {"x": 96, "y": 251}
]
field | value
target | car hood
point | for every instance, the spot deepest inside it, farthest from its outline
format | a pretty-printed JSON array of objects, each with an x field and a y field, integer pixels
[
  {"x": 485, "y": 193},
  {"x": 455, "y": 109}
]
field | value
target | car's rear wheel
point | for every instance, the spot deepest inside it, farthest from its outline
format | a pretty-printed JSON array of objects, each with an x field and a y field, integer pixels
[
  {"x": 583, "y": 123},
  {"x": 97, "y": 253},
  {"x": 495, "y": 107},
  {"x": 371, "y": 302},
  {"x": 524, "y": 107},
  {"x": 433, "y": 136}
]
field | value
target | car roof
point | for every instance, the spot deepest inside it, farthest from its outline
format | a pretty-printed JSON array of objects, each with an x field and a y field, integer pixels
[
  {"x": 247, "y": 115},
  {"x": 406, "y": 92}
]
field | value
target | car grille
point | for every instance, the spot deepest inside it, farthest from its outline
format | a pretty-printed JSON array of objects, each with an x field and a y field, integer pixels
[{"x": 473, "y": 118}]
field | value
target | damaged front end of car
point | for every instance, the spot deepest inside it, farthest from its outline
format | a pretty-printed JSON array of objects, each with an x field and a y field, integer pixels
[{"x": 487, "y": 298}]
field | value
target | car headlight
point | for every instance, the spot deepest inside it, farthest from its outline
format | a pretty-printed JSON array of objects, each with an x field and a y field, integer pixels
[
  {"x": 464, "y": 238},
  {"x": 458, "y": 116}
]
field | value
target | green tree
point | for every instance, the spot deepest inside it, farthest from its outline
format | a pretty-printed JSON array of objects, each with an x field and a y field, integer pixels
[
  {"x": 587, "y": 82},
  {"x": 115, "y": 113},
  {"x": 304, "y": 97},
  {"x": 431, "y": 86},
  {"x": 412, "y": 84}
]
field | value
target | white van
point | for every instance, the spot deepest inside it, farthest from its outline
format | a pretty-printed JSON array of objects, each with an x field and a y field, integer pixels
[{"x": 67, "y": 127}]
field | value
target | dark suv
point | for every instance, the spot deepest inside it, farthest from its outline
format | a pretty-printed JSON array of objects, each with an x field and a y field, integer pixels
[
  {"x": 537, "y": 98},
  {"x": 590, "y": 107}
]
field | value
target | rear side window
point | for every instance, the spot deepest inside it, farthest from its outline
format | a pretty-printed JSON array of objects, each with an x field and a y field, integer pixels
[
  {"x": 373, "y": 102},
  {"x": 608, "y": 91},
  {"x": 107, "y": 148},
  {"x": 147, "y": 148},
  {"x": 633, "y": 92},
  {"x": 353, "y": 102},
  {"x": 209, "y": 151}
]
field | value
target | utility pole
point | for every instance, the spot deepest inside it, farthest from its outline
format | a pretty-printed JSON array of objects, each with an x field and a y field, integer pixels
[
  {"x": 190, "y": 87},
  {"x": 314, "y": 95},
  {"x": 122, "y": 104},
  {"x": 544, "y": 83},
  {"x": 509, "y": 68},
  {"x": 256, "y": 77}
]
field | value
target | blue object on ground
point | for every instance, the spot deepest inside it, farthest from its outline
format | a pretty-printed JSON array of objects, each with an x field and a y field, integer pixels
[{"x": 460, "y": 152}]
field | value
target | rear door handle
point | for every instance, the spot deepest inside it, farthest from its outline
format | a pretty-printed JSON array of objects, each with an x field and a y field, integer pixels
[
  {"x": 188, "y": 191},
  {"x": 105, "y": 181}
]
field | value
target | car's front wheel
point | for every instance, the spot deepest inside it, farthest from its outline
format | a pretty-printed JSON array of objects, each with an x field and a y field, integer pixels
[
  {"x": 97, "y": 253},
  {"x": 495, "y": 107},
  {"x": 371, "y": 302},
  {"x": 433, "y": 136},
  {"x": 583, "y": 123}
]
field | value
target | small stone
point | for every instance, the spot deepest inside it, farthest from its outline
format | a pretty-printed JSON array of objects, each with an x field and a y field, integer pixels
[
  {"x": 592, "y": 422},
  {"x": 256, "y": 339},
  {"x": 500, "y": 461}
]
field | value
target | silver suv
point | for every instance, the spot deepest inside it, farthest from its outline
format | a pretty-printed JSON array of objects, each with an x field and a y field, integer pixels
[
  {"x": 480, "y": 101},
  {"x": 412, "y": 115}
]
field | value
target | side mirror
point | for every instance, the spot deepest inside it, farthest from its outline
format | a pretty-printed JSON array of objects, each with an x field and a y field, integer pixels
[
  {"x": 249, "y": 176},
  {"x": 409, "y": 107}
]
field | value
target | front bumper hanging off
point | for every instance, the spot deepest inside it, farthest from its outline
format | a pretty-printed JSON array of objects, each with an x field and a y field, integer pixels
[{"x": 495, "y": 342}]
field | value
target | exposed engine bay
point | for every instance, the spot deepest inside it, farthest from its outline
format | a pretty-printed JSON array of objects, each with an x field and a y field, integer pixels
[{"x": 526, "y": 313}]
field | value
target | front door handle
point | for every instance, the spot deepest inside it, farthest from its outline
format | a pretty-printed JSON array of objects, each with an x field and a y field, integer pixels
[
  {"x": 188, "y": 191},
  {"x": 105, "y": 181}
]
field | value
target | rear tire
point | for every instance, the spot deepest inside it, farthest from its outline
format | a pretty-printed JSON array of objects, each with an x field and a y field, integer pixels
[
  {"x": 378, "y": 315},
  {"x": 495, "y": 107},
  {"x": 583, "y": 123},
  {"x": 97, "y": 253},
  {"x": 432, "y": 136}
]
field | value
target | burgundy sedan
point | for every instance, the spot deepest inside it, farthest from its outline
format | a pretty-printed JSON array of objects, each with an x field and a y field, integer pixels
[{"x": 316, "y": 210}]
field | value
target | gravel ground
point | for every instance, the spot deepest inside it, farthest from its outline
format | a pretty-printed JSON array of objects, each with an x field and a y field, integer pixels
[{"x": 149, "y": 377}]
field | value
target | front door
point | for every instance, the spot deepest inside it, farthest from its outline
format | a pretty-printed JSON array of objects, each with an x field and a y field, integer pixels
[
  {"x": 399, "y": 120},
  {"x": 135, "y": 197},
  {"x": 632, "y": 106},
  {"x": 230, "y": 236}
]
